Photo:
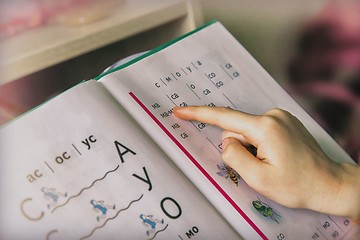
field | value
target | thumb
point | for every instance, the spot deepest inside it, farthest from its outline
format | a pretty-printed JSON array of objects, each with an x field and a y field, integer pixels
[{"x": 241, "y": 160}]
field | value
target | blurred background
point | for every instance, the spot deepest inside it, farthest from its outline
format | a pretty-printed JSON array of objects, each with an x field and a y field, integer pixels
[{"x": 312, "y": 48}]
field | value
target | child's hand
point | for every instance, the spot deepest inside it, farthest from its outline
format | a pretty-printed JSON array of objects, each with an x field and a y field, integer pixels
[{"x": 289, "y": 167}]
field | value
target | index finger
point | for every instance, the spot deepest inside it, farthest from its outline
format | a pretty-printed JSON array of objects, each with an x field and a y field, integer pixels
[{"x": 225, "y": 118}]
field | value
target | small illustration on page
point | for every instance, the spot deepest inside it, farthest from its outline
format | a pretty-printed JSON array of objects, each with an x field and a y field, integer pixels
[
  {"x": 227, "y": 172},
  {"x": 265, "y": 210},
  {"x": 52, "y": 195},
  {"x": 100, "y": 206},
  {"x": 150, "y": 223}
]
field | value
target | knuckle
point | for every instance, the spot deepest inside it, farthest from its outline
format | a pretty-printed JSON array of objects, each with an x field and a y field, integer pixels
[
  {"x": 277, "y": 112},
  {"x": 269, "y": 123},
  {"x": 275, "y": 119},
  {"x": 225, "y": 134},
  {"x": 229, "y": 154},
  {"x": 282, "y": 115}
]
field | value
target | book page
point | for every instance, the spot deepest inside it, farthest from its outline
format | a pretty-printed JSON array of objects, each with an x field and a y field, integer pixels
[
  {"x": 209, "y": 67},
  {"x": 78, "y": 167}
]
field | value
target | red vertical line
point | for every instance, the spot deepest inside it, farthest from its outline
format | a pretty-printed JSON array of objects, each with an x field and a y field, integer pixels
[{"x": 201, "y": 169}]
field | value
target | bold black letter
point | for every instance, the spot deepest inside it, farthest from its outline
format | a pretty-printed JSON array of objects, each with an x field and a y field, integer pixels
[
  {"x": 147, "y": 180},
  {"x": 122, "y": 153},
  {"x": 176, "y": 204}
]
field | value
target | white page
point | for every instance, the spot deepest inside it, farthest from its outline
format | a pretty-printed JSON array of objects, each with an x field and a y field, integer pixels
[
  {"x": 61, "y": 160},
  {"x": 210, "y": 67}
]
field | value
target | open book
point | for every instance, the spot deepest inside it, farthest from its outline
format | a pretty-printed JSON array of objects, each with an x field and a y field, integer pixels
[{"x": 108, "y": 160}]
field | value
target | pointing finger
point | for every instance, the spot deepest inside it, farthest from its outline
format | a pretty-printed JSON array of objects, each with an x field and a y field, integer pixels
[{"x": 228, "y": 119}]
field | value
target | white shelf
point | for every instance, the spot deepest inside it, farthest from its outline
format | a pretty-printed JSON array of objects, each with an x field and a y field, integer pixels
[{"x": 48, "y": 45}]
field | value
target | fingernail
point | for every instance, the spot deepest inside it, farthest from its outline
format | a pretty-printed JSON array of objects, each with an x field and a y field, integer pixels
[{"x": 178, "y": 111}]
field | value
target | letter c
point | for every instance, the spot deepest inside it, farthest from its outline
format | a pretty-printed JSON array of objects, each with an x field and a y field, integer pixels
[
  {"x": 92, "y": 139},
  {"x": 37, "y": 173},
  {"x": 66, "y": 155},
  {"x": 26, "y": 215}
]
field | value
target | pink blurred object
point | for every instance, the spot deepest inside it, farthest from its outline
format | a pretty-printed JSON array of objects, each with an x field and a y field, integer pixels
[
  {"x": 20, "y": 15},
  {"x": 344, "y": 19},
  {"x": 325, "y": 72}
]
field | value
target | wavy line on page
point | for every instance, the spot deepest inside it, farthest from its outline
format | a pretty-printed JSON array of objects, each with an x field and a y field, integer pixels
[
  {"x": 200, "y": 168},
  {"x": 85, "y": 188},
  {"x": 159, "y": 231},
  {"x": 112, "y": 218}
]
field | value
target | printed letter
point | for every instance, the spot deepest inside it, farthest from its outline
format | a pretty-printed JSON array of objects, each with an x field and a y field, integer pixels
[
  {"x": 166, "y": 212},
  {"x": 147, "y": 180},
  {"x": 86, "y": 142},
  {"x": 26, "y": 215},
  {"x": 121, "y": 154}
]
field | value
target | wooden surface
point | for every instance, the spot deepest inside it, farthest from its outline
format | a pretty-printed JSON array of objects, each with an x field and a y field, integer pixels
[{"x": 45, "y": 46}]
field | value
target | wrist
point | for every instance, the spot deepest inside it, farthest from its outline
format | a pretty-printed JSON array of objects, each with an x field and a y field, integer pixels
[
  {"x": 350, "y": 192},
  {"x": 337, "y": 190},
  {"x": 344, "y": 197},
  {"x": 326, "y": 188}
]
